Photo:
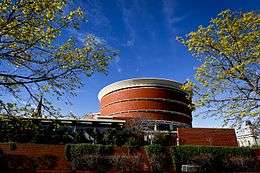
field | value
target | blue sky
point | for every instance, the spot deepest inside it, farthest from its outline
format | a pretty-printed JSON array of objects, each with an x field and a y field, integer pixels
[{"x": 144, "y": 32}]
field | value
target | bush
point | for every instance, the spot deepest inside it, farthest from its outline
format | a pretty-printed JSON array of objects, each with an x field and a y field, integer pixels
[
  {"x": 98, "y": 163},
  {"x": 78, "y": 150},
  {"x": 67, "y": 152},
  {"x": 255, "y": 146},
  {"x": 121, "y": 137},
  {"x": 126, "y": 163},
  {"x": 20, "y": 130},
  {"x": 100, "y": 158},
  {"x": 75, "y": 151},
  {"x": 159, "y": 157},
  {"x": 162, "y": 139},
  {"x": 89, "y": 156},
  {"x": 213, "y": 158}
]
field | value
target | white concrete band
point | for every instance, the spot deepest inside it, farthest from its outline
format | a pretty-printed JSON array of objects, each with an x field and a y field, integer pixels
[
  {"x": 152, "y": 110},
  {"x": 139, "y": 82}
]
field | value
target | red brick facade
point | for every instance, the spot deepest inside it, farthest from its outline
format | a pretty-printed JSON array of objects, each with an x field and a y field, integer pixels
[
  {"x": 143, "y": 92},
  {"x": 152, "y": 116},
  {"x": 144, "y": 104},
  {"x": 34, "y": 150},
  {"x": 207, "y": 136},
  {"x": 153, "y": 103}
]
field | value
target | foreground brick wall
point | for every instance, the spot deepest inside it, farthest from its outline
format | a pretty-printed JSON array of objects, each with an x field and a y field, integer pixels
[
  {"x": 257, "y": 153},
  {"x": 34, "y": 150},
  {"x": 207, "y": 136},
  {"x": 62, "y": 165}
]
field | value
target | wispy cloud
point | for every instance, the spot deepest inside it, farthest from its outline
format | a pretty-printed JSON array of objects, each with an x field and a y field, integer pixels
[
  {"x": 97, "y": 20},
  {"x": 171, "y": 18},
  {"x": 117, "y": 64},
  {"x": 140, "y": 21},
  {"x": 128, "y": 12}
]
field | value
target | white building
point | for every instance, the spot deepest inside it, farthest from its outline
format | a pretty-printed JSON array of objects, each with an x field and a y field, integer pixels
[{"x": 248, "y": 135}]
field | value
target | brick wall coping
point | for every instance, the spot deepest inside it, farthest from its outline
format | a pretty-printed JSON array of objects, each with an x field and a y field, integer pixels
[{"x": 208, "y": 128}]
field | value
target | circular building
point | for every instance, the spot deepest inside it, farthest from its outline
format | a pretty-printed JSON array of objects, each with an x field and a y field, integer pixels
[{"x": 146, "y": 98}]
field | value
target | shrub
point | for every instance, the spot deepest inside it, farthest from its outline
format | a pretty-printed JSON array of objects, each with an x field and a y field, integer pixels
[
  {"x": 213, "y": 158},
  {"x": 126, "y": 163},
  {"x": 255, "y": 146},
  {"x": 132, "y": 141},
  {"x": 162, "y": 139},
  {"x": 240, "y": 163},
  {"x": 159, "y": 157},
  {"x": 99, "y": 158},
  {"x": 78, "y": 150},
  {"x": 67, "y": 152},
  {"x": 121, "y": 137},
  {"x": 21, "y": 130},
  {"x": 98, "y": 163},
  {"x": 89, "y": 156}
]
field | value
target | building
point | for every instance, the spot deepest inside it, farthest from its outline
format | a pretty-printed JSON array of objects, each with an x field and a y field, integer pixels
[
  {"x": 158, "y": 101},
  {"x": 159, "y": 107},
  {"x": 163, "y": 107},
  {"x": 248, "y": 135}
]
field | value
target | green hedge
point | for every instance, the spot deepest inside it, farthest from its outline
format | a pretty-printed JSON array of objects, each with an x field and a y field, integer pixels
[
  {"x": 159, "y": 157},
  {"x": 214, "y": 158},
  {"x": 74, "y": 151},
  {"x": 89, "y": 156},
  {"x": 211, "y": 159},
  {"x": 154, "y": 149},
  {"x": 100, "y": 158}
]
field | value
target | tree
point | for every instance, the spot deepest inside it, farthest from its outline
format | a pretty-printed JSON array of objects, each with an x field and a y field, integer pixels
[
  {"x": 228, "y": 79},
  {"x": 37, "y": 60}
]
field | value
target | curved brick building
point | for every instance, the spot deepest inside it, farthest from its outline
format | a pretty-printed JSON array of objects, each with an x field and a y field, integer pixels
[{"x": 146, "y": 98}]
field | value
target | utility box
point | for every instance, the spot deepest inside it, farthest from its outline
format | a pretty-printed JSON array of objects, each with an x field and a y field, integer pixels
[{"x": 190, "y": 168}]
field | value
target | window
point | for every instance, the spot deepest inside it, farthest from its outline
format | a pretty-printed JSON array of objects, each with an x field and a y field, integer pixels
[{"x": 164, "y": 127}]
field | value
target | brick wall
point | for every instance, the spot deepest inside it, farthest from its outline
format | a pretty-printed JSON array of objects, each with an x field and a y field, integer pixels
[
  {"x": 143, "y": 92},
  {"x": 34, "y": 150},
  {"x": 152, "y": 116},
  {"x": 144, "y": 104},
  {"x": 257, "y": 153},
  {"x": 62, "y": 165},
  {"x": 207, "y": 136}
]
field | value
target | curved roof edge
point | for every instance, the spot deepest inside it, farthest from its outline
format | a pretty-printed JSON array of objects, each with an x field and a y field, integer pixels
[{"x": 138, "y": 82}]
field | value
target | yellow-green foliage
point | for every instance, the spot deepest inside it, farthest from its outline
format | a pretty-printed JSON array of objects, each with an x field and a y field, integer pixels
[
  {"x": 38, "y": 53},
  {"x": 228, "y": 77}
]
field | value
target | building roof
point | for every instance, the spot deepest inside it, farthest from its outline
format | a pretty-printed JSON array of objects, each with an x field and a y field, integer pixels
[
  {"x": 71, "y": 120},
  {"x": 139, "y": 82}
]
